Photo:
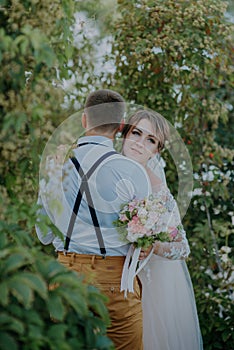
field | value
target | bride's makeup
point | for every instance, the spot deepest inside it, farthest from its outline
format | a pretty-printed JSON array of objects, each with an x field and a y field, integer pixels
[{"x": 141, "y": 142}]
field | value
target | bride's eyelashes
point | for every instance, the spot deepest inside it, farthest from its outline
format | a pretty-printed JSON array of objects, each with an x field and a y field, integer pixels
[
  {"x": 152, "y": 141},
  {"x": 139, "y": 133},
  {"x": 136, "y": 132}
]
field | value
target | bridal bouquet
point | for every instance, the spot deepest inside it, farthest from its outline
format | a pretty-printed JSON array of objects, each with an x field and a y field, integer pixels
[{"x": 142, "y": 222}]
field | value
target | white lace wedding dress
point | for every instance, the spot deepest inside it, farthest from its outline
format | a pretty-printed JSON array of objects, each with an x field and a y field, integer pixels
[{"x": 170, "y": 320}]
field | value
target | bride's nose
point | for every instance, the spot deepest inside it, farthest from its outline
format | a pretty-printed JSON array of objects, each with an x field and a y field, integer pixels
[{"x": 140, "y": 143}]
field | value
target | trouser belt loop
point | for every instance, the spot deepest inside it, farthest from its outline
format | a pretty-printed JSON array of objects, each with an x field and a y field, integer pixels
[
  {"x": 92, "y": 262},
  {"x": 72, "y": 258}
]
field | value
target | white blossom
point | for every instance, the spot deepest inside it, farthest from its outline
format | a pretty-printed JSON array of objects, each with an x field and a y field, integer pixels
[
  {"x": 226, "y": 249},
  {"x": 209, "y": 176}
]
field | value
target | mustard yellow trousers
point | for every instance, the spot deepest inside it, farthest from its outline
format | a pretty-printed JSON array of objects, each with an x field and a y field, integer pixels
[{"x": 125, "y": 313}]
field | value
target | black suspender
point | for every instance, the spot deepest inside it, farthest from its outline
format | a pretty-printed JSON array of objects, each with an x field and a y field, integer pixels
[{"x": 85, "y": 188}]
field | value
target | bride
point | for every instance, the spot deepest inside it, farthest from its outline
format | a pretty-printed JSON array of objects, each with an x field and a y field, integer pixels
[{"x": 170, "y": 320}]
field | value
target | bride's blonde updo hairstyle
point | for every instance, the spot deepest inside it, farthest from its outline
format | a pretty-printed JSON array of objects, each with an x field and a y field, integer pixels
[{"x": 158, "y": 122}]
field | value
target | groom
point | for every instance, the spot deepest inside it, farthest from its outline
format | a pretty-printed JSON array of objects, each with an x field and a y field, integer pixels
[{"x": 97, "y": 180}]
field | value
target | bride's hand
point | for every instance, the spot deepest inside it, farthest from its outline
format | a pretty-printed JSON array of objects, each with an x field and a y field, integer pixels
[
  {"x": 156, "y": 182},
  {"x": 144, "y": 253}
]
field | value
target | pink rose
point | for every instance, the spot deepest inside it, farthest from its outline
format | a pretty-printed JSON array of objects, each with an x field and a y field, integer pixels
[
  {"x": 136, "y": 227},
  {"x": 173, "y": 232},
  {"x": 135, "y": 219}
]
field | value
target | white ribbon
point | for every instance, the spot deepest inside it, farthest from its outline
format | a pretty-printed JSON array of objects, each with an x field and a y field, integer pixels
[{"x": 130, "y": 269}]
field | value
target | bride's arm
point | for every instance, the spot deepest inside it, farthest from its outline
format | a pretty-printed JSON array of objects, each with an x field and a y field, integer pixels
[{"x": 179, "y": 247}]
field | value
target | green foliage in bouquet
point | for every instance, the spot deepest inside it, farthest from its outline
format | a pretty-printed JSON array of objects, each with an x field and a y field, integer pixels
[{"x": 146, "y": 242}]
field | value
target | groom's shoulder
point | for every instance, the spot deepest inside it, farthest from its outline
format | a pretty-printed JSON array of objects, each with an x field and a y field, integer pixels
[
  {"x": 131, "y": 175},
  {"x": 126, "y": 165}
]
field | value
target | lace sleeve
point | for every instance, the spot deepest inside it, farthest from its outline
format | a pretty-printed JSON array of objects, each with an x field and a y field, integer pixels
[{"x": 179, "y": 247}]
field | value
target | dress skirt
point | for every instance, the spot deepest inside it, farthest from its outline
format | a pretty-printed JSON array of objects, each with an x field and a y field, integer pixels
[{"x": 170, "y": 320}]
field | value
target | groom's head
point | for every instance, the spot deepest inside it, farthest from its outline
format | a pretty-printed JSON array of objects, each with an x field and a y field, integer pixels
[{"x": 103, "y": 111}]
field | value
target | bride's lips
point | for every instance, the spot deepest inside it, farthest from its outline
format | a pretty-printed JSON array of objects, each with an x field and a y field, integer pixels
[{"x": 136, "y": 150}]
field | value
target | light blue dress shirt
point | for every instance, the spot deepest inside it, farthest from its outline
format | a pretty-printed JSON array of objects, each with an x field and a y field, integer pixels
[{"x": 117, "y": 180}]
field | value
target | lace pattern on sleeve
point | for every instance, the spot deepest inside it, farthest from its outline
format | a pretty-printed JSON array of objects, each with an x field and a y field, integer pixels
[{"x": 179, "y": 248}]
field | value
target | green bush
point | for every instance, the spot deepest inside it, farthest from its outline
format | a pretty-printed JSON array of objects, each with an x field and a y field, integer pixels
[
  {"x": 43, "y": 305},
  {"x": 36, "y": 50},
  {"x": 176, "y": 57}
]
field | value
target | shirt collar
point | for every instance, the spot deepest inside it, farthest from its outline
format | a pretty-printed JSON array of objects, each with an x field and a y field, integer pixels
[{"x": 97, "y": 139}]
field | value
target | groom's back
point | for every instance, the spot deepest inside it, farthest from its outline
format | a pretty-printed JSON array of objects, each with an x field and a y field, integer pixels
[{"x": 115, "y": 181}]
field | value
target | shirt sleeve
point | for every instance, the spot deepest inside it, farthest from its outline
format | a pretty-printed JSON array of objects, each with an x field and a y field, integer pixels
[
  {"x": 44, "y": 237},
  {"x": 48, "y": 200}
]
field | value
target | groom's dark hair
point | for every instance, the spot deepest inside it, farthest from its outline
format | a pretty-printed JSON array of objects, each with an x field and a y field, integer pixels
[{"x": 104, "y": 110}]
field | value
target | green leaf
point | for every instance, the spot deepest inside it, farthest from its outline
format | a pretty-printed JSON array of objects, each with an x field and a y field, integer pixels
[
  {"x": 35, "y": 332},
  {"x": 4, "y": 253},
  {"x": 7, "y": 342},
  {"x": 103, "y": 342},
  {"x": 54, "y": 268},
  {"x": 75, "y": 299},
  {"x": 14, "y": 262},
  {"x": 36, "y": 283},
  {"x": 226, "y": 335},
  {"x": 20, "y": 290},
  {"x": 14, "y": 120},
  {"x": 4, "y": 293},
  {"x": 3, "y": 241},
  {"x": 11, "y": 323},
  {"x": 23, "y": 42},
  {"x": 33, "y": 317},
  {"x": 97, "y": 304},
  {"x": 57, "y": 331},
  {"x": 66, "y": 277},
  {"x": 56, "y": 307}
]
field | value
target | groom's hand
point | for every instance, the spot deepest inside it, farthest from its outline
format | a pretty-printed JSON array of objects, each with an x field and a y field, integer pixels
[{"x": 144, "y": 253}]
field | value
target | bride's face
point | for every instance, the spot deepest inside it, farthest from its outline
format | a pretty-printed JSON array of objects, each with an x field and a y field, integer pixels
[{"x": 141, "y": 142}]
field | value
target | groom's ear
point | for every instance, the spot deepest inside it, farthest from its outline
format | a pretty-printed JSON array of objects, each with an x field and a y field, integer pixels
[
  {"x": 84, "y": 120},
  {"x": 121, "y": 125}
]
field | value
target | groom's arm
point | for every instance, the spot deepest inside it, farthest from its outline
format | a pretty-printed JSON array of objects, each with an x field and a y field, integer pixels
[{"x": 44, "y": 233}]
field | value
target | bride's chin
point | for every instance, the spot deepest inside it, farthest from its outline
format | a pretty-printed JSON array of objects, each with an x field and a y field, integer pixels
[{"x": 129, "y": 155}]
